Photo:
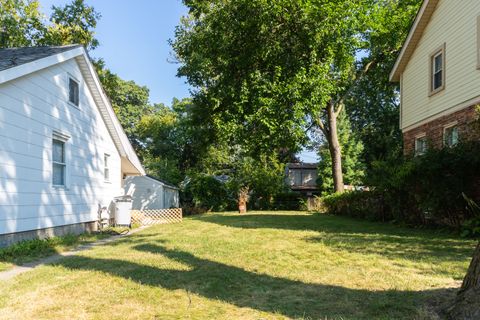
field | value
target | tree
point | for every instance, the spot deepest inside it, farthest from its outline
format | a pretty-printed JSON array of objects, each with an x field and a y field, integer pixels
[
  {"x": 353, "y": 167},
  {"x": 467, "y": 302},
  {"x": 267, "y": 71},
  {"x": 73, "y": 23},
  {"x": 373, "y": 104},
  {"x": 130, "y": 102},
  {"x": 174, "y": 138},
  {"x": 21, "y": 23}
]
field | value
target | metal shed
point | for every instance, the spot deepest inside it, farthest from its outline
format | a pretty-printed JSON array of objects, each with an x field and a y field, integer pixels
[{"x": 150, "y": 193}]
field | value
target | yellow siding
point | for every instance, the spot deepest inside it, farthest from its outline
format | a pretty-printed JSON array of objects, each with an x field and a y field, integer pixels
[{"x": 455, "y": 24}]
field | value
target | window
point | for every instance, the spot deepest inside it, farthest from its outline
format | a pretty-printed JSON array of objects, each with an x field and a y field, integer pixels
[
  {"x": 106, "y": 169},
  {"x": 73, "y": 92},
  {"x": 437, "y": 67},
  {"x": 450, "y": 136},
  {"x": 59, "y": 165},
  {"x": 420, "y": 145}
]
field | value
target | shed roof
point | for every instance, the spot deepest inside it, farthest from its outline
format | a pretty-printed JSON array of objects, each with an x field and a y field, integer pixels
[
  {"x": 302, "y": 165},
  {"x": 166, "y": 184}
]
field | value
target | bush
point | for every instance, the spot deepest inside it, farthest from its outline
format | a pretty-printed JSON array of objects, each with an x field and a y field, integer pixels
[
  {"x": 207, "y": 193},
  {"x": 418, "y": 191},
  {"x": 287, "y": 201},
  {"x": 358, "y": 204}
]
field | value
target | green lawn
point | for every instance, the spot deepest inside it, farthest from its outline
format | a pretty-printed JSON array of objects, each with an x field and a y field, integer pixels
[{"x": 258, "y": 266}]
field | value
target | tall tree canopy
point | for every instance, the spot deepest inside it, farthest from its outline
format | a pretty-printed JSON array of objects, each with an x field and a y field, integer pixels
[
  {"x": 266, "y": 71},
  {"x": 22, "y": 24}
]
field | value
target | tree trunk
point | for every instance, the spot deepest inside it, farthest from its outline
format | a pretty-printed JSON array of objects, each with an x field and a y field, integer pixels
[
  {"x": 467, "y": 303},
  {"x": 335, "y": 149}
]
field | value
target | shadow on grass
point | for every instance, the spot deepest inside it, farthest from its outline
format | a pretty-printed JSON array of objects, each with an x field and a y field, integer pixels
[
  {"x": 358, "y": 236},
  {"x": 236, "y": 286}
]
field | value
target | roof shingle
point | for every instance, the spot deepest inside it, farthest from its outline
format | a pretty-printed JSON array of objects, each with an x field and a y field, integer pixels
[{"x": 12, "y": 57}]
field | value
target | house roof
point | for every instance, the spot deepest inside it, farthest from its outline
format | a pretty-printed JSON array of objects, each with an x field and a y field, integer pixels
[
  {"x": 12, "y": 57},
  {"x": 421, "y": 21},
  {"x": 18, "y": 62},
  {"x": 302, "y": 165}
]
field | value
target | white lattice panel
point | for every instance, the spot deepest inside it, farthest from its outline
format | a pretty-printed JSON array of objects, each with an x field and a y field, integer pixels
[{"x": 149, "y": 217}]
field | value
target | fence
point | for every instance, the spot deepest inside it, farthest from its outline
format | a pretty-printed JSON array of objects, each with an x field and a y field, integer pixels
[{"x": 149, "y": 217}]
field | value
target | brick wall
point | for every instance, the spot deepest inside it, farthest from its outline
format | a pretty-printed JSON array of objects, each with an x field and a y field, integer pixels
[{"x": 434, "y": 130}]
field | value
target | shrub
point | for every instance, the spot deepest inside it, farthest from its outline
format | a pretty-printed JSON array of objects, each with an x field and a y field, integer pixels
[
  {"x": 207, "y": 193},
  {"x": 359, "y": 204},
  {"x": 287, "y": 201},
  {"x": 421, "y": 190}
]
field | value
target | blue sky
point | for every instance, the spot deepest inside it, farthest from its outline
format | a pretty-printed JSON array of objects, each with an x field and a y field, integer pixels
[{"x": 133, "y": 38}]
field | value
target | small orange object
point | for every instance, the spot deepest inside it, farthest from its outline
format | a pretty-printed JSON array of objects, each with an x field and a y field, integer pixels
[{"x": 242, "y": 207}]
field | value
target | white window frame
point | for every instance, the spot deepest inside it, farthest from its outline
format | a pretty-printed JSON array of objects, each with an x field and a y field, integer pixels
[
  {"x": 106, "y": 167},
  {"x": 417, "y": 138},
  {"x": 72, "y": 78},
  {"x": 433, "y": 72},
  {"x": 61, "y": 137},
  {"x": 445, "y": 128}
]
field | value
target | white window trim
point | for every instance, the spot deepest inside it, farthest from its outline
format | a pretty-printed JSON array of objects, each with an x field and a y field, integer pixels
[
  {"x": 431, "y": 76},
  {"x": 60, "y": 136},
  {"x": 417, "y": 137},
  {"x": 445, "y": 128},
  {"x": 106, "y": 165},
  {"x": 69, "y": 76}
]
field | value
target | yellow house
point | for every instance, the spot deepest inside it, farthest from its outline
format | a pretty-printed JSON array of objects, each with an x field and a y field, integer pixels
[{"x": 438, "y": 70}]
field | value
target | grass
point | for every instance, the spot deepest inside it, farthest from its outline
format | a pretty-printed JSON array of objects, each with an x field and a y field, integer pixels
[
  {"x": 268, "y": 265},
  {"x": 31, "y": 250}
]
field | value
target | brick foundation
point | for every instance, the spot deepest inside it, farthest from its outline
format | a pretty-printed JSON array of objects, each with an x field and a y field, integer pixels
[{"x": 434, "y": 130}]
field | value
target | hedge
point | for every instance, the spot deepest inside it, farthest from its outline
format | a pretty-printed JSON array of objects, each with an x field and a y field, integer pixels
[{"x": 423, "y": 190}]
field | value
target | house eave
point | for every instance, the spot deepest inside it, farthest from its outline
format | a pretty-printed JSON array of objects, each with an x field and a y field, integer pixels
[{"x": 421, "y": 21}]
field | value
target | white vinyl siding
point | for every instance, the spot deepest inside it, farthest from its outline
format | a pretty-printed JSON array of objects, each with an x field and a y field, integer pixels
[
  {"x": 150, "y": 194},
  {"x": 33, "y": 109},
  {"x": 455, "y": 24}
]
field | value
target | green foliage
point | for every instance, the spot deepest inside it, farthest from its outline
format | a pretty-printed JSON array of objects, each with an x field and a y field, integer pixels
[
  {"x": 352, "y": 165},
  {"x": 33, "y": 249},
  {"x": 373, "y": 102},
  {"x": 471, "y": 227},
  {"x": 22, "y": 24},
  {"x": 265, "y": 179},
  {"x": 130, "y": 102},
  {"x": 163, "y": 168},
  {"x": 264, "y": 69},
  {"x": 207, "y": 192},
  {"x": 72, "y": 23},
  {"x": 420, "y": 191},
  {"x": 358, "y": 204},
  {"x": 174, "y": 138}
]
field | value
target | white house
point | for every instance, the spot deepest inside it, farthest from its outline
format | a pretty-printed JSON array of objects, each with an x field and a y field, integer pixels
[
  {"x": 63, "y": 152},
  {"x": 150, "y": 193},
  {"x": 439, "y": 74}
]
